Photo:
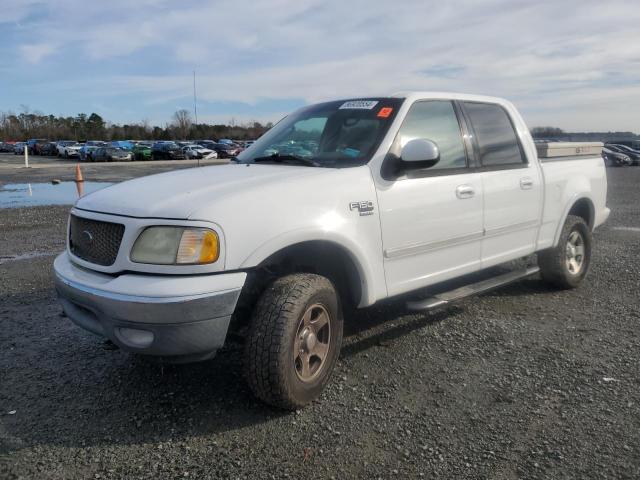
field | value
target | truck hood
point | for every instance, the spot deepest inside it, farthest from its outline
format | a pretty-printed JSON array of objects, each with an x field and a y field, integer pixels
[{"x": 178, "y": 194}]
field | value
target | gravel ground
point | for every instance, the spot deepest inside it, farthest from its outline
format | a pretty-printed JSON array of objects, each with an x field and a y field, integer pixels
[{"x": 524, "y": 382}]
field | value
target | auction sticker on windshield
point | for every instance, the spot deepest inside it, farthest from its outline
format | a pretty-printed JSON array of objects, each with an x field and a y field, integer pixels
[{"x": 359, "y": 104}]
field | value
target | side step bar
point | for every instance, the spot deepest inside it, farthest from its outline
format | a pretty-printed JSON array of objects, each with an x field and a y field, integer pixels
[{"x": 470, "y": 290}]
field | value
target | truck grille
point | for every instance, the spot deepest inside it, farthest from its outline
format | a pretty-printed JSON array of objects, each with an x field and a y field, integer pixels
[{"x": 95, "y": 241}]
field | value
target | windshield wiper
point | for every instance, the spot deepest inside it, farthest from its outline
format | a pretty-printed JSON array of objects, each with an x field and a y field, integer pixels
[{"x": 276, "y": 157}]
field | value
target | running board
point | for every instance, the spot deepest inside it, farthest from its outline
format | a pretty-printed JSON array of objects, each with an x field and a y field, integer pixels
[{"x": 472, "y": 289}]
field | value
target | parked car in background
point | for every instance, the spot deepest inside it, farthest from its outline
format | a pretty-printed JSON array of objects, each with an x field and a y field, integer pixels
[
  {"x": 615, "y": 159},
  {"x": 34, "y": 143},
  {"x": 18, "y": 148},
  {"x": 191, "y": 151},
  {"x": 7, "y": 147},
  {"x": 70, "y": 150},
  {"x": 198, "y": 151},
  {"x": 49, "y": 149},
  {"x": 122, "y": 144},
  {"x": 86, "y": 152},
  {"x": 111, "y": 154},
  {"x": 625, "y": 150},
  {"x": 206, "y": 143},
  {"x": 63, "y": 143},
  {"x": 632, "y": 143},
  {"x": 166, "y": 151},
  {"x": 225, "y": 150},
  {"x": 141, "y": 151},
  {"x": 42, "y": 147}
]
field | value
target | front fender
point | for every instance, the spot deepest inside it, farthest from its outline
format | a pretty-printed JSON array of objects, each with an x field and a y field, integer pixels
[{"x": 370, "y": 273}]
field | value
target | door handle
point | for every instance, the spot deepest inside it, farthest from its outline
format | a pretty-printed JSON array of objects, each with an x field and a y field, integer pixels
[
  {"x": 465, "y": 191},
  {"x": 526, "y": 183}
]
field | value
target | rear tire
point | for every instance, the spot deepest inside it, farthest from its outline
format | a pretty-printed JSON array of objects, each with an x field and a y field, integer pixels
[
  {"x": 566, "y": 265},
  {"x": 294, "y": 340}
]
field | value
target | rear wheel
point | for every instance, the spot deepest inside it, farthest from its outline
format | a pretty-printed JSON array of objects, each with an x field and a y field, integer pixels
[
  {"x": 567, "y": 264},
  {"x": 294, "y": 340}
]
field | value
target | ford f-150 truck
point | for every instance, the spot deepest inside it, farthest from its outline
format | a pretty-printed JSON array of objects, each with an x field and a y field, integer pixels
[{"x": 420, "y": 196}]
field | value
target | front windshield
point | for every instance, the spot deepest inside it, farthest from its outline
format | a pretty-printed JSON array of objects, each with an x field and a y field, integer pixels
[{"x": 334, "y": 134}]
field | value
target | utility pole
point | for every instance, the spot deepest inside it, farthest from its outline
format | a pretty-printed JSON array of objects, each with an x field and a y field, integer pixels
[{"x": 195, "y": 104}]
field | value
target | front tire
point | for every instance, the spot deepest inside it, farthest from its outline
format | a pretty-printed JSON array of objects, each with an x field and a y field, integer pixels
[
  {"x": 566, "y": 265},
  {"x": 294, "y": 340}
]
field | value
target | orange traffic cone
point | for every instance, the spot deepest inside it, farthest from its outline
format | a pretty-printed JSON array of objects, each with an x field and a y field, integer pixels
[
  {"x": 80, "y": 188},
  {"x": 78, "y": 174}
]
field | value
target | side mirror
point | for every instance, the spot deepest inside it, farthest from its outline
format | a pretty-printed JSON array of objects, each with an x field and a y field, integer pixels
[{"x": 419, "y": 153}]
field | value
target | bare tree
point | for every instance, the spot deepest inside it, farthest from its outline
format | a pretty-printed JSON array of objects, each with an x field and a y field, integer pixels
[
  {"x": 146, "y": 124},
  {"x": 182, "y": 122}
]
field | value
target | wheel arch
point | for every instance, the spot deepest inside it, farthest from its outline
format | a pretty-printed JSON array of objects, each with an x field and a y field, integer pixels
[
  {"x": 581, "y": 206},
  {"x": 325, "y": 257}
]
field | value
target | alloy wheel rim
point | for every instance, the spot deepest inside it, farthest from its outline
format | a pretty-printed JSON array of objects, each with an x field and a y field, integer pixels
[
  {"x": 575, "y": 251},
  {"x": 311, "y": 346}
]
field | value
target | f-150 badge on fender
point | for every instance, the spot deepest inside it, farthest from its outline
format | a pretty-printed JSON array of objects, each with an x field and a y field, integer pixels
[{"x": 364, "y": 208}]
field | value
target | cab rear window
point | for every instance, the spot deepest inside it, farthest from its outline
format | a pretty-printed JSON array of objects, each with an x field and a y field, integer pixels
[{"x": 495, "y": 136}]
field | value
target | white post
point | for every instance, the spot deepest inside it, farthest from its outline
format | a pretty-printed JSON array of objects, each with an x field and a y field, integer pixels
[{"x": 26, "y": 156}]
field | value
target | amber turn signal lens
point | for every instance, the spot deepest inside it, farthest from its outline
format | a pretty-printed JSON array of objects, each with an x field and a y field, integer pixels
[{"x": 209, "y": 251}]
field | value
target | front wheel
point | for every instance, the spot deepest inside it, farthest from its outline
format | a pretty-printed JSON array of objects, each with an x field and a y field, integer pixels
[
  {"x": 567, "y": 264},
  {"x": 294, "y": 340}
]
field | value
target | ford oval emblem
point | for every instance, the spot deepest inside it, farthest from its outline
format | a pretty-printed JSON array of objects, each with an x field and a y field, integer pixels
[{"x": 87, "y": 237}]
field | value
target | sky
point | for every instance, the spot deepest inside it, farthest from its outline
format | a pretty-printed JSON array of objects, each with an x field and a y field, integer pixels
[{"x": 574, "y": 64}]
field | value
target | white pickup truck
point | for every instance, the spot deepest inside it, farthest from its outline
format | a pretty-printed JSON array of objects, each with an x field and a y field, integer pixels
[{"x": 339, "y": 205}]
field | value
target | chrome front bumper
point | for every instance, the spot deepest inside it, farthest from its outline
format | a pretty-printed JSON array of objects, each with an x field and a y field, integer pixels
[{"x": 164, "y": 315}]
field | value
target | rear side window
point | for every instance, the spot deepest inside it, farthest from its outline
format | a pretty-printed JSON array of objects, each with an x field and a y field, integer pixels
[
  {"x": 495, "y": 136},
  {"x": 435, "y": 120}
]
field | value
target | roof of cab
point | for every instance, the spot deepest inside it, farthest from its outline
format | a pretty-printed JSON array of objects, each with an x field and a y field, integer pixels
[{"x": 415, "y": 95}]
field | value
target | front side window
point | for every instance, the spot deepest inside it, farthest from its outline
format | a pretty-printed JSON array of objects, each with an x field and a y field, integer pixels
[
  {"x": 334, "y": 134},
  {"x": 496, "y": 139},
  {"x": 434, "y": 120}
]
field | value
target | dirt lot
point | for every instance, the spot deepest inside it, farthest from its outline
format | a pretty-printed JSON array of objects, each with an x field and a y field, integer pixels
[{"x": 525, "y": 382}]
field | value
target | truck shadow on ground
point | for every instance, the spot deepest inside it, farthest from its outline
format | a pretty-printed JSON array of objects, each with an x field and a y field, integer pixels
[
  {"x": 529, "y": 286},
  {"x": 81, "y": 393}
]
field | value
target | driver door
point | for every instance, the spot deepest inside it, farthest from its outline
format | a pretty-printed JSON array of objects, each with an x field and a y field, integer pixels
[{"x": 431, "y": 218}]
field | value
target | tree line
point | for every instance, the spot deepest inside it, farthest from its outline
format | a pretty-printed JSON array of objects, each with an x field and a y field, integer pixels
[
  {"x": 555, "y": 133},
  {"x": 26, "y": 125}
]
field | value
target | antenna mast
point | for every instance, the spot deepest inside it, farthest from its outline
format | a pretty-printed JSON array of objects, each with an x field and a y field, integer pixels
[{"x": 195, "y": 104}]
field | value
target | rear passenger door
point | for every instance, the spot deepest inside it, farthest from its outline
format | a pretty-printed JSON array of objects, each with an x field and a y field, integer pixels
[{"x": 511, "y": 185}]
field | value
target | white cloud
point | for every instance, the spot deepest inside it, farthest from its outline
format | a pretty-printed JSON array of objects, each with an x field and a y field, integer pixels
[
  {"x": 573, "y": 63},
  {"x": 34, "y": 53},
  {"x": 13, "y": 11}
]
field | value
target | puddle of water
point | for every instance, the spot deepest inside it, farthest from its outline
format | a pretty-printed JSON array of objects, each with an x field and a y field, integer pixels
[{"x": 32, "y": 194}]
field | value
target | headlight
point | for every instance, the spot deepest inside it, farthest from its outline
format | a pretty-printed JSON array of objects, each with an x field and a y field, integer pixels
[{"x": 176, "y": 246}]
